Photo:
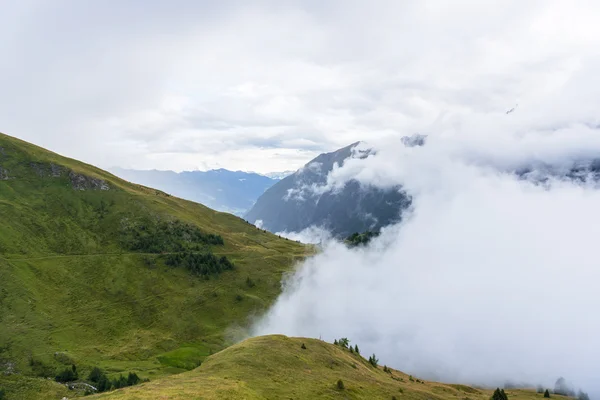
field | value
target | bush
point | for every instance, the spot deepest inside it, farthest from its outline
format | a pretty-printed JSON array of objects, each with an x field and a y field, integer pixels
[
  {"x": 340, "y": 384},
  {"x": 303, "y": 346},
  {"x": 40, "y": 369},
  {"x": 547, "y": 394},
  {"x": 386, "y": 369},
  {"x": 68, "y": 375}
]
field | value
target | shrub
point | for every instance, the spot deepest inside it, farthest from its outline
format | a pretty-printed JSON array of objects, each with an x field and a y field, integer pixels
[
  {"x": 340, "y": 384},
  {"x": 303, "y": 346},
  {"x": 68, "y": 375},
  {"x": 410, "y": 378},
  {"x": 547, "y": 394},
  {"x": 250, "y": 282},
  {"x": 40, "y": 369},
  {"x": 386, "y": 369}
]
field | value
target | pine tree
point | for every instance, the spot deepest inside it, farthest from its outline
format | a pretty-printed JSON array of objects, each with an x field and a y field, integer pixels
[
  {"x": 547, "y": 394},
  {"x": 356, "y": 349},
  {"x": 373, "y": 361},
  {"x": 335, "y": 342},
  {"x": 499, "y": 395}
]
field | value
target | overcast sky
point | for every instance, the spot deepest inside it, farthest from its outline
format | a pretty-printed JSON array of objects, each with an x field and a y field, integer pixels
[{"x": 268, "y": 85}]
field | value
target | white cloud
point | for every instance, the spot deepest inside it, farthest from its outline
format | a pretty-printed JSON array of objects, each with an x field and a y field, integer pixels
[
  {"x": 211, "y": 82},
  {"x": 311, "y": 235},
  {"x": 489, "y": 278}
]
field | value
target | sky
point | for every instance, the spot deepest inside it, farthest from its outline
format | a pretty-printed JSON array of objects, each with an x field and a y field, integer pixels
[{"x": 268, "y": 85}]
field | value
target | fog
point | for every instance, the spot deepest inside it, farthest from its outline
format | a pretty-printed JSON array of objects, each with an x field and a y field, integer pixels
[{"x": 489, "y": 277}]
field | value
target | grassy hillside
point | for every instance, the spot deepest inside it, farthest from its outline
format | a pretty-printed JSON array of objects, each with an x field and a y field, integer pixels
[
  {"x": 84, "y": 278},
  {"x": 277, "y": 367}
]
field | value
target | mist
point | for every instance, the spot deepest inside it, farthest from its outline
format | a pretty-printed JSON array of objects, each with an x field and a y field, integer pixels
[{"x": 489, "y": 277}]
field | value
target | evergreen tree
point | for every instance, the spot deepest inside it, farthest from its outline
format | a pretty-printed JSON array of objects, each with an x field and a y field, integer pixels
[
  {"x": 547, "y": 394},
  {"x": 95, "y": 375},
  {"x": 499, "y": 394},
  {"x": 373, "y": 361},
  {"x": 132, "y": 379},
  {"x": 356, "y": 349}
]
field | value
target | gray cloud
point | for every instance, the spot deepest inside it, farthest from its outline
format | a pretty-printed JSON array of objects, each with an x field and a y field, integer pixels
[{"x": 113, "y": 82}]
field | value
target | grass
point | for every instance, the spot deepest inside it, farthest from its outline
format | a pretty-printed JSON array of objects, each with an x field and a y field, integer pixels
[
  {"x": 71, "y": 290},
  {"x": 276, "y": 367}
]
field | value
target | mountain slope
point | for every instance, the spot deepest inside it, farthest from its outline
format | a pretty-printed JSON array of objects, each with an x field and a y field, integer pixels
[
  {"x": 277, "y": 367},
  {"x": 90, "y": 275},
  {"x": 220, "y": 189},
  {"x": 290, "y": 205}
]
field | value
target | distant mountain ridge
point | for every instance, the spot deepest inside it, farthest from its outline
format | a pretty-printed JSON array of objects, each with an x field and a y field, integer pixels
[
  {"x": 289, "y": 206},
  {"x": 221, "y": 189}
]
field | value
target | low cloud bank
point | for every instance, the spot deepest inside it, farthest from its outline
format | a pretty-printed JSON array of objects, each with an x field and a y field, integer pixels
[
  {"x": 489, "y": 278},
  {"x": 310, "y": 235}
]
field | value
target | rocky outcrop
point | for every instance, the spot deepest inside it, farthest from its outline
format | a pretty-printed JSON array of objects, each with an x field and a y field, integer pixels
[
  {"x": 84, "y": 182},
  {"x": 4, "y": 174},
  {"x": 49, "y": 170}
]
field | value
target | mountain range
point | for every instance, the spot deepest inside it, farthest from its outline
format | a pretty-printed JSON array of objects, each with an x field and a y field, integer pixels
[{"x": 220, "y": 189}]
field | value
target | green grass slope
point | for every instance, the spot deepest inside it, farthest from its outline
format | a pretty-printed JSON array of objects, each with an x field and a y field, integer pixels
[
  {"x": 277, "y": 367},
  {"x": 73, "y": 288}
]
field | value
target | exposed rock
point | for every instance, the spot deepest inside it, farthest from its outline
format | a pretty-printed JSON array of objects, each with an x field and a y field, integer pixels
[
  {"x": 414, "y": 140},
  {"x": 8, "y": 368},
  {"x": 84, "y": 182},
  {"x": 4, "y": 174},
  {"x": 56, "y": 170},
  {"x": 47, "y": 170}
]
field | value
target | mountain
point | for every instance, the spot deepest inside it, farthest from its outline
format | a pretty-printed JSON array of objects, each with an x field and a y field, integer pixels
[
  {"x": 97, "y": 271},
  {"x": 278, "y": 175},
  {"x": 280, "y": 367},
  {"x": 219, "y": 189},
  {"x": 290, "y": 205}
]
